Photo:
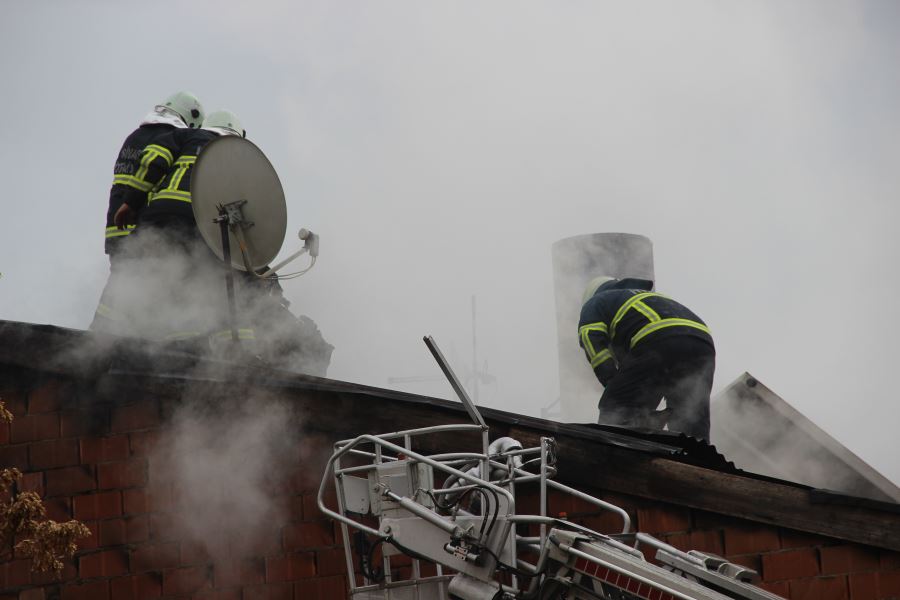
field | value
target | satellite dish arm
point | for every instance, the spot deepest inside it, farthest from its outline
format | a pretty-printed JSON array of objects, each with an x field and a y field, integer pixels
[{"x": 310, "y": 244}]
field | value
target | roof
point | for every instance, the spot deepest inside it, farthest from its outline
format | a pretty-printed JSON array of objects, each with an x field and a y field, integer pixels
[
  {"x": 762, "y": 433},
  {"x": 659, "y": 466}
]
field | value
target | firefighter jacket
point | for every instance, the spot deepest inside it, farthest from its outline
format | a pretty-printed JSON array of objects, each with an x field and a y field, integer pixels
[
  {"x": 172, "y": 198},
  {"x": 625, "y": 314},
  {"x": 144, "y": 159}
]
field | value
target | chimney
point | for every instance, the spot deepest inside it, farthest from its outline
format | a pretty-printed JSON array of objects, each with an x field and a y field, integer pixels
[{"x": 577, "y": 260}]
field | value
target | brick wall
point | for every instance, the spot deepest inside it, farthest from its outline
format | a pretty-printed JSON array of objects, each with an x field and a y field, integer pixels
[
  {"x": 99, "y": 461},
  {"x": 793, "y": 564}
]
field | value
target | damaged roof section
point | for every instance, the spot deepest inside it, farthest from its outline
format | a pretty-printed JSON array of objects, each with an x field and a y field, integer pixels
[{"x": 762, "y": 433}]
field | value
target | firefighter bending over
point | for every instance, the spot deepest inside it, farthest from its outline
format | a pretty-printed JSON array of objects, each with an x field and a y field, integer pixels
[{"x": 644, "y": 347}]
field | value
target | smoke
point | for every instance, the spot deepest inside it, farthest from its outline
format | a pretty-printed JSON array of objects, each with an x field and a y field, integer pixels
[
  {"x": 222, "y": 465},
  {"x": 762, "y": 433},
  {"x": 166, "y": 285},
  {"x": 440, "y": 149}
]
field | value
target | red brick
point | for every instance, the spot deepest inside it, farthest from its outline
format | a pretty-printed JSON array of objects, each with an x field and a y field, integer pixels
[
  {"x": 112, "y": 532},
  {"x": 102, "y": 505},
  {"x": 185, "y": 580},
  {"x": 14, "y": 400},
  {"x": 15, "y": 573},
  {"x": 312, "y": 534},
  {"x": 53, "y": 454},
  {"x": 779, "y": 588},
  {"x": 295, "y": 508},
  {"x": 92, "y": 590},
  {"x": 750, "y": 539},
  {"x": 801, "y": 539},
  {"x": 889, "y": 560},
  {"x": 310, "y": 507},
  {"x": 137, "y": 587},
  {"x": 291, "y": 567},
  {"x": 135, "y": 417},
  {"x": 330, "y": 562},
  {"x": 604, "y": 522},
  {"x": 704, "y": 541},
  {"x": 92, "y": 541},
  {"x": 135, "y": 501},
  {"x": 271, "y": 591},
  {"x": 322, "y": 588},
  {"x": 69, "y": 573},
  {"x": 790, "y": 564},
  {"x": 161, "y": 498},
  {"x": 528, "y": 503},
  {"x": 4, "y": 433},
  {"x": 848, "y": 559},
  {"x": 154, "y": 557},
  {"x": 47, "y": 397},
  {"x": 122, "y": 474},
  {"x": 14, "y": 457},
  {"x": 58, "y": 509},
  {"x": 137, "y": 529},
  {"x": 557, "y": 503},
  {"x": 163, "y": 527},
  {"x": 80, "y": 423},
  {"x": 32, "y": 594},
  {"x": 663, "y": 519},
  {"x": 195, "y": 552},
  {"x": 863, "y": 586},
  {"x": 143, "y": 442},
  {"x": 104, "y": 449},
  {"x": 107, "y": 563},
  {"x": 820, "y": 588},
  {"x": 889, "y": 584},
  {"x": 264, "y": 541},
  {"x": 70, "y": 480},
  {"x": 230, "y": 594},
  {"x": 32, "y": 482},
  {"x": 34, "y": 428},
  {"x": 237, "y": 572}
]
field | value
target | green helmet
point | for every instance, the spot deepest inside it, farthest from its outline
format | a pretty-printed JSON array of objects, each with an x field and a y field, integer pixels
[
  {"x": 224, "y": 122},
  {"x": 186, "y": 106},
  {"x": 592, "y": 287}
]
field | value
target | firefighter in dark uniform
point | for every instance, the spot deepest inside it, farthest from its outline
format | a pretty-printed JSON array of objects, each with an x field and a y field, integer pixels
[
  {"x": 187, "y": 304},
  {"x": 143, "y": 161},
  {"x": 644, "y": 347},
  {"x": 186, "y": 300}
]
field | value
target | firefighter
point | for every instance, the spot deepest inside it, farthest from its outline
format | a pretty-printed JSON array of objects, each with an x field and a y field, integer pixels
[
  {"x": 644, "y": 347},
  {"x": 143, "y": 161},
  {"x": 189, "y": 304},
  {"x": 185, "y": 296}
]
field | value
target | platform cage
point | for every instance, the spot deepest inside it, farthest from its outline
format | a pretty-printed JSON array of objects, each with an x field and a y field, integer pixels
[{"x": 438, "y": 526}]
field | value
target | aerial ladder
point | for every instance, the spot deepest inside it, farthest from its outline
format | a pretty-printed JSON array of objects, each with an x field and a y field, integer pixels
[{"x": 454, "y": 516}]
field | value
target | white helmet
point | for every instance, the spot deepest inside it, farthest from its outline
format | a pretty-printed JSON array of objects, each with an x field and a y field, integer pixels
[
  {"x": 592, "y": 287},
  {"x": 186, "y": 106},
  {"x": 224, "y": 122}
]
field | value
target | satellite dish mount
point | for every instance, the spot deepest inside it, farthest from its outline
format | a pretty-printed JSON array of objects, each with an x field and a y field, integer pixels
[{"x": 240, "y": 210}]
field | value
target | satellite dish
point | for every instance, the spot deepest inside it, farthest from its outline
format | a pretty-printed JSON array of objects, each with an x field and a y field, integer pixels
[{"x": 230, "y": 169}]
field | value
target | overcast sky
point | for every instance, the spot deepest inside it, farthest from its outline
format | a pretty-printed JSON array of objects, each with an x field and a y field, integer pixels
[{"x": 440, "y": 148}]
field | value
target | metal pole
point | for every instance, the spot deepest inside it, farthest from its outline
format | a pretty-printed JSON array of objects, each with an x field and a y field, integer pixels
[
  {"x": 474, "y": 357},
  {"x": 455, "y": 384},
  {"x": 229, "y": 275}
]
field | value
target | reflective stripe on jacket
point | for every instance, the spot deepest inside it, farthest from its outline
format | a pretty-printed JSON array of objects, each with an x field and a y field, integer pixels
[
  {"x": 614, "y": 322},
  {"x": 173, "y": 195},
  {"x": 143, "y": 160}
]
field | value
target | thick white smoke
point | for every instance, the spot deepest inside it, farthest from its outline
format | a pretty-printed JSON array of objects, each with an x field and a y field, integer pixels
[{"x": 223, "y": 465}]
